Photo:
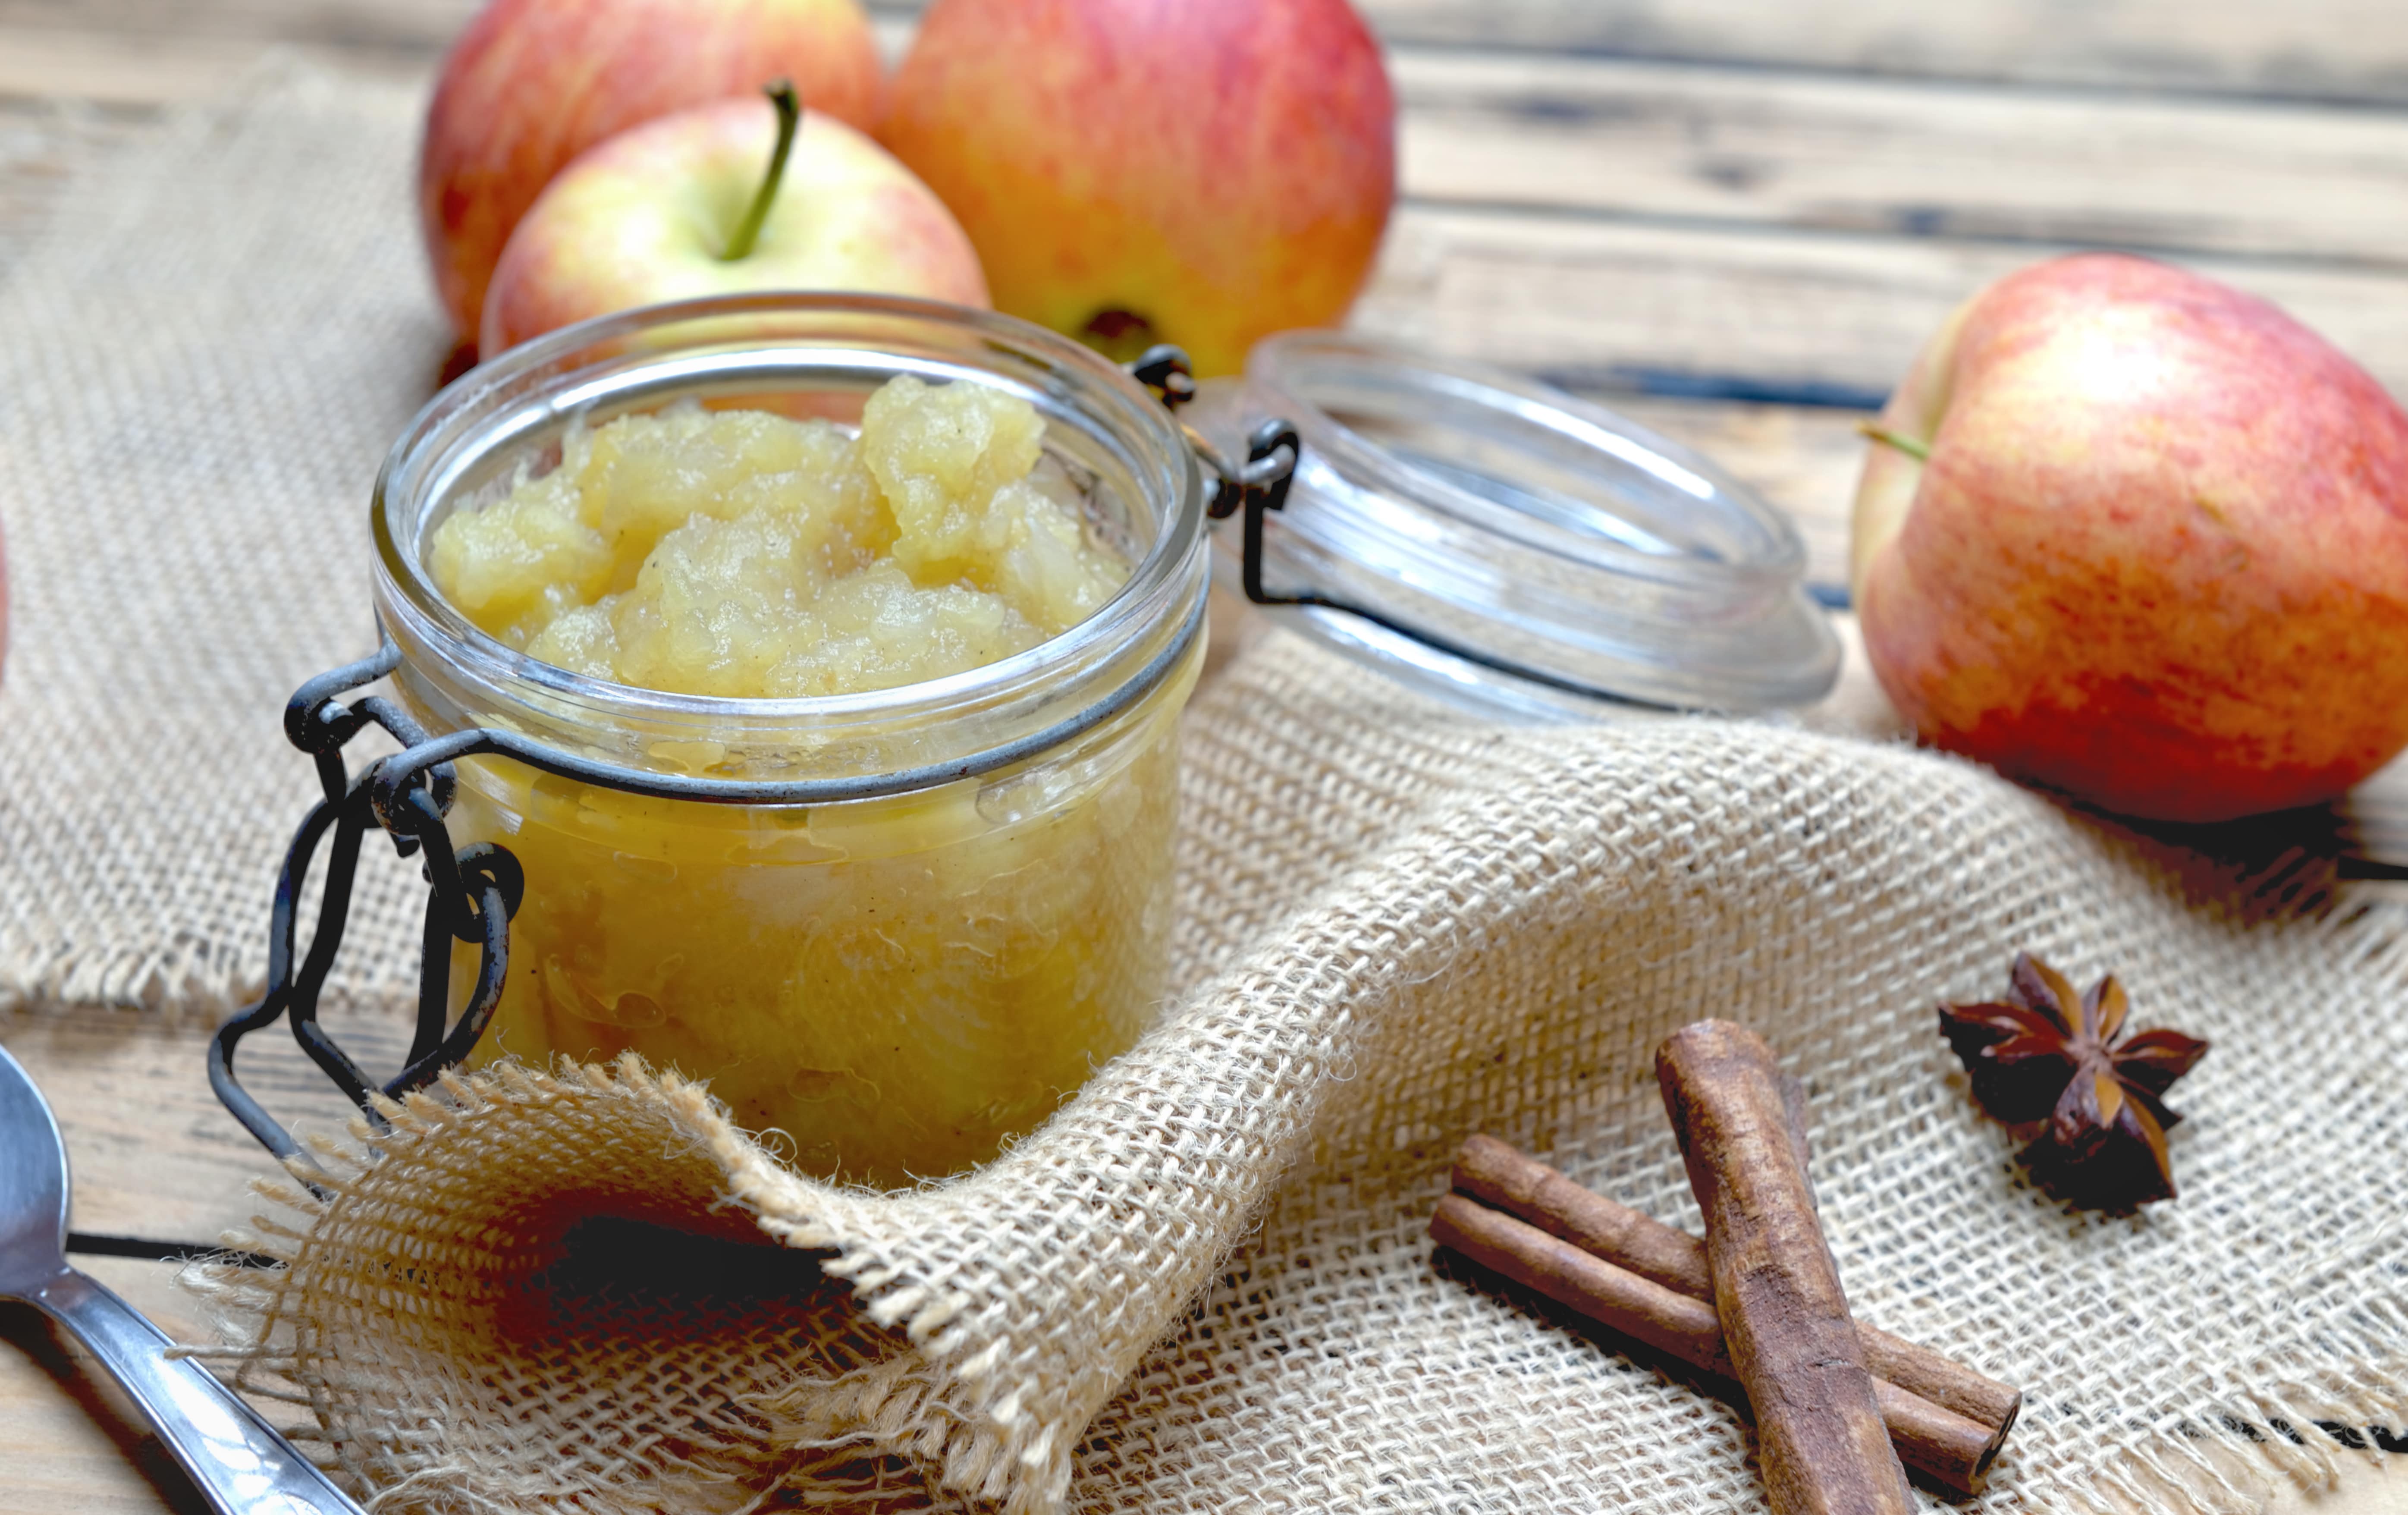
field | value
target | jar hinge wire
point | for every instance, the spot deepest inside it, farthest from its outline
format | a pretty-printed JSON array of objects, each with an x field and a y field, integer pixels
[{"x": 472, "y": 893}]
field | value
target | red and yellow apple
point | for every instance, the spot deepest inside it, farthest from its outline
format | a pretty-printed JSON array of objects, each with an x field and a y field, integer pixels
[
  {"x": 2155, "y": 552},
  {"x": 533, "y": 83},
  {"x": 1144, "y": 171},
  {"x": 650, "y": 215}
]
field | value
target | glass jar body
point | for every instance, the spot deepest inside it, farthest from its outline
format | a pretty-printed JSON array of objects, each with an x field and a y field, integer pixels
[
  {"x": 971, "y": 910},
  {"x": 898, "y": 984}
]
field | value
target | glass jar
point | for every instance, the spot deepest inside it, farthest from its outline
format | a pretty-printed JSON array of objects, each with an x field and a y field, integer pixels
[
  {"x": 1516, "y": 550},
  {"x": 973, "y": 911}
]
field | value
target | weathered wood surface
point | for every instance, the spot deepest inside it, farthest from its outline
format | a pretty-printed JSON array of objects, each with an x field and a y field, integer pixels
[
  {"x": 1779, "y": 234},
  {"x": 1919, "y": 158},
  {"x": 1834, "y": 317},
  {"x": 2327, "y": 50},
  {"x": 154, "y": 1154},
  {"x": 2336, "y": 49},
  {"x": 1600, "y": 134},
  {"x": 70, "y": 1438}
]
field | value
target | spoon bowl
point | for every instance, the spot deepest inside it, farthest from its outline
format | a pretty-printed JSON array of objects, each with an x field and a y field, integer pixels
[{"x": 32, "y": 1184}]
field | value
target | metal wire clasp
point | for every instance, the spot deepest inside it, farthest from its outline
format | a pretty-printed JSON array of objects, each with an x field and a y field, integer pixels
[
  {"x": 473, "y": 892},
  {"x": 1258, "y": 485}
]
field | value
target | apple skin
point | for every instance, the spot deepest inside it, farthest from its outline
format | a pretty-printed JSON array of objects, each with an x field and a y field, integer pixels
[
  {"x": 1221, "y": 170},
  {"x": 2158, "y": 556},
  {"x": 532, "y": 83},
  {"x": 642, "y": 218}
]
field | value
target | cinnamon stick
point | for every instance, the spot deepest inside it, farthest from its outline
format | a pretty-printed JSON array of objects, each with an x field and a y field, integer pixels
[
  {"x": 1950, "y": 1449},
  {"x": 1792, "y": 1344},
  {"x": 1499, "y": 1176}
]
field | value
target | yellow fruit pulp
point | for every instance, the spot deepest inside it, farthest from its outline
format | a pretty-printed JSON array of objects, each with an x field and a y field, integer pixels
[
  {"x": 900, "y": 984},
  {"x": 743, "y": 554}
]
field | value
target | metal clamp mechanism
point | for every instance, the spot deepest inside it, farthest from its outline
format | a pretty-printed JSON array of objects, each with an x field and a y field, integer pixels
[
  {"x": 472, "y": 894},
  {"x": 1259, "y": 484}
]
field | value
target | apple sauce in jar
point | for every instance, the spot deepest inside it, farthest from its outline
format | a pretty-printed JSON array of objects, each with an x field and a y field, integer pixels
[{"x": 899, "y": 982}]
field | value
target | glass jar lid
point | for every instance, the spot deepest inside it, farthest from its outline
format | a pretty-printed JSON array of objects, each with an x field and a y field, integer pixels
[{"x": 1511, "y": 546}]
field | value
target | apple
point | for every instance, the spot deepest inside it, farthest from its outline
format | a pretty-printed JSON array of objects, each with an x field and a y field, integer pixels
[
  {"x": 720, "y": 199},
  {"x": 1138, "y": 172},
  {"x": 533, "y": 83},
  {"x": 2131, "y": 534}
]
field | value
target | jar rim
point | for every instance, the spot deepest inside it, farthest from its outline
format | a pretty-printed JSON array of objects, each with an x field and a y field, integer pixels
[
  {"x": 1280, "y": 370},
  {"x": 545, "y": 382}
]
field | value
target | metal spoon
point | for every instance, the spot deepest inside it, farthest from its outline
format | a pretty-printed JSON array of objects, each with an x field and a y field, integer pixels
[{"x": 240, "y": 1464}]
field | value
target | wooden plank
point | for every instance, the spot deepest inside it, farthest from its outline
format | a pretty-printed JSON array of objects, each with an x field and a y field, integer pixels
[
  {"x": 1654, "y": 142},
  {"x": 2359, "y": 1488},
  {"x": 417, "y": 29},
  {"x": 2340, "y": 50},
  {"x": 130, "y": 54},
  {"x": 146, "y": 53},
  {"x": 154, "y": 1155},
  {"x": 1764, "y": 314},
  {"x": 120, "y": 71},
  {"x": 2344, "y": 49},
  {"x": 1765, "y": 147},
  {"x": 1629, "y": 299},
  {"x": 1753, "y": 146},
  {"x": 2355, "y": 49},
  {"x": 69, "y": 1438}
]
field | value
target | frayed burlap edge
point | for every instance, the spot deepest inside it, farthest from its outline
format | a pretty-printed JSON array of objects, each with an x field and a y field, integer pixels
[
  {"x": 2230, "y": 1466},
  {"x": 954, "y": 1422},
  {"x": 109, "y": 172},
  {"x": 956, "y": 1414},
  {"x": 964, "y": 1414}
]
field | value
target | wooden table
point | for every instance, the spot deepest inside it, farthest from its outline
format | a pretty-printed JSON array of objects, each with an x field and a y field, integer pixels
[{"x": 1734, "y": 219}]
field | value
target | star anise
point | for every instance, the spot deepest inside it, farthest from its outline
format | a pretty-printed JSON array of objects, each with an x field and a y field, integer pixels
[{"x": 2044, "y": 1055}]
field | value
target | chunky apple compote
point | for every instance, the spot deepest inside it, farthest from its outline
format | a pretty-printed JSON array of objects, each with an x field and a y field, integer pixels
[
  {"x": 897, "y": 983},
  {"x": 741, "y": 553}
]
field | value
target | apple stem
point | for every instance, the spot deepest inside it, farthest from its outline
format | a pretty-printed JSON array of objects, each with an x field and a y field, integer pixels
[
  {"x": 1920, "y": 452},
  {"x": 790, "y": 115}
]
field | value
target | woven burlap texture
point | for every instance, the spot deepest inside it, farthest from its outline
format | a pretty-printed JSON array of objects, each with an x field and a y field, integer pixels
[
  {"x": 203, "y": 358},
  {"x": 1206, "y": 1284}
]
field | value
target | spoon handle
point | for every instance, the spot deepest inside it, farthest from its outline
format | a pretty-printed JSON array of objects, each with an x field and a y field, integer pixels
[{"x": 240, "y": 1464}]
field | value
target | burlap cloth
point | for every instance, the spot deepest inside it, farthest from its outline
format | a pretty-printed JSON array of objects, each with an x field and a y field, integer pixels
[{"x": 1206, "y": 1284}]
